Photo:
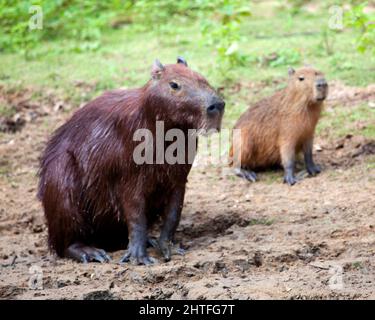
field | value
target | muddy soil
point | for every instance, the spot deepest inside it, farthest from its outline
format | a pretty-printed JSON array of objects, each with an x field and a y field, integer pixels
[{"x": 315, "y": 240}]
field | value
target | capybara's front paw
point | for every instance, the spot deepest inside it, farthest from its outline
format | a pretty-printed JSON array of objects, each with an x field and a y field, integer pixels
[
  {"x": 85, "y": 254},
  {"x": 137, "y": 256},
  {"x": 290, "y": 179},
  {"x": 313, "y": 169}
]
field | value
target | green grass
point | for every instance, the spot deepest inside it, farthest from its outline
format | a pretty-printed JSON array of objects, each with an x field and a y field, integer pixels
[
  {"x": 6, "y": 111},
  {"x": 371, "y": 163},
  {"x": 272, "y": 176},
  {"x": 125, "y": 56},
  {"x": 358, "y": 119},
  {"x": 5, "y": 168},
  {"x": 262, "y": 221},
  {"x": 357, "y": 265}
]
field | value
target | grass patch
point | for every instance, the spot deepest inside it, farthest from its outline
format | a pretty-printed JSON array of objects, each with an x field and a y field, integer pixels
[
  {"x": 7, "y": 111},
  {"x": 356, "y": 120},
  {"x": 124, "y": 57},
  {"x": 371, "y": 163},
  {"x": 357, "y": 265},
  {"x": 272, "y": 176},
  {"x": 5, "y": 168},
  {"x": 262, "y": 221}
]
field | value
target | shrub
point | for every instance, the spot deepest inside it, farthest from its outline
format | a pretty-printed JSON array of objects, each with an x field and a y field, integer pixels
[{"x": 363, "y": 23}]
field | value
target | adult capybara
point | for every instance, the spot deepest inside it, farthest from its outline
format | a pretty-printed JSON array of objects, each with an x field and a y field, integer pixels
[
  {"x": 276, "y": 128},
  {"x": 96, "y": 197}
]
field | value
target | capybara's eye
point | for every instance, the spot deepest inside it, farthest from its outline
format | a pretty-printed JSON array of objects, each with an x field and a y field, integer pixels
[
  {"x": 301, "y": 78},
  {"x": 174, "y": 85}
]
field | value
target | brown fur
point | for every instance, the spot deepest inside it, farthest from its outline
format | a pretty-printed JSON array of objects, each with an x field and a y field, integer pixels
[
  {"x": 91, "y": 189},
  {"x": 278, "y": 127}
]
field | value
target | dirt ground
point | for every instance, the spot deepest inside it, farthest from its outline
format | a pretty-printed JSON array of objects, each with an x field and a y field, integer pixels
[{"x": 315, "y": 240}]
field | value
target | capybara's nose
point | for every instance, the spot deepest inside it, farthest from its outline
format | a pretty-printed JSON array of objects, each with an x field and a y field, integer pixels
[
  {"x": 217, "y": 105},
  {"x": 321, "y": 83}
]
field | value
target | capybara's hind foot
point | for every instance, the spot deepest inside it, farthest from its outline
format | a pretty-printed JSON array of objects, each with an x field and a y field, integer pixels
[
  {"x": 246, "y": 174},
  {"x": 313, "y": 170},
  {"x": 85, "y": 254},
  {"x": 137, "y": 257},
  {"x": 145, "y": 260},
  {"x": 166, "y": 248}
]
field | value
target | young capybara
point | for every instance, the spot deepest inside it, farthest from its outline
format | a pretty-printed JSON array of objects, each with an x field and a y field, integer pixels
[
  {"x": 276, "y": 128},
  {"x": 96, "y": 197}
]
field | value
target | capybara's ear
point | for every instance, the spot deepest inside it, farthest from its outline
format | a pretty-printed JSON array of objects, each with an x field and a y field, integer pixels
[
  {"x": 182, "y": 61},
  {"x": 157, "y": 69},
  {"x": 291, "y": 71}
]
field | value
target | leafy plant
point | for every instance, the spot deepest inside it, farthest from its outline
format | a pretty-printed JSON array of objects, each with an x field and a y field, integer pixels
[
  {"x": 283, "y": 57},
  {"x": 364, "y": 24},
  {"x": 223, "y": 32},
  {"x": 160, "y": 12},
  {"x": 71, "y": 19},
  {"x": 328, "y": 40}
]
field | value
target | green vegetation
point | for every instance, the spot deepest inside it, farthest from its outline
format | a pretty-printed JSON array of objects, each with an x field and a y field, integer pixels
[
  {"x": 261, "y": 221},
  {"x": 354, "y": 120},
  {"x": 270, "y": 176},
  {"x": 243, "y": 48},
  {"x": 371, "y": 163},
  {"x": 6, "y": 111},
  {"x": 357, "y": 265},
  {"x": 364, "y": 24}
]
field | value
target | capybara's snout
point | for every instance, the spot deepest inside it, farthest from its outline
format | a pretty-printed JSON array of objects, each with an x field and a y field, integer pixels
[
  {"x": 215, "y": 106},
  {"x": 214, "y": 112},
  {"x": 321, "y": 86}
]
